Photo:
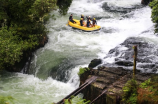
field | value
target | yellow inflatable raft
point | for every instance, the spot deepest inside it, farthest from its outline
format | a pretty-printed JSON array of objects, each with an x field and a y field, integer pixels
[{"x": 84, "y": 28}]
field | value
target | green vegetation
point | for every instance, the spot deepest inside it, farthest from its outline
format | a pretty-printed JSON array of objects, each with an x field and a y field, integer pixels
[
  {"x": 145, "y": 93},
  {"x": 154, "y": 16},
  {"x": 130, "y": 92},
  {"x": 22, "y": 26},
  {"x": 11, "y": 47},
  {"x": 82, "y": 70},
  {"x": 145, "y": 84},
  {"x": 148, "y": 91},
  {"x": 6, "y": 100},
  {"x": 76, "y": 100},
  {"x": 63, "y": 5}
]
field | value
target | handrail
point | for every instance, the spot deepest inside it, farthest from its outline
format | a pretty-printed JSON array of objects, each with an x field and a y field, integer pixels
[{"x": 78, "y": 90}]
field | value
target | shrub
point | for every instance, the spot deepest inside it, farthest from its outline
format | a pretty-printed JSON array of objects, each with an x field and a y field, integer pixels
[
  {"x": 148, "y": 91},
  {"x": 130, "y": 92},
  {"x": 154, "y": 16}
]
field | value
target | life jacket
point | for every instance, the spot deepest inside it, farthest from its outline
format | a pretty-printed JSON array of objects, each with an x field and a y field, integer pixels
[
  {"x": 82, "y": 17},
  {"x": 88, "y": 23},
  {"x": 94, "y": 22}
]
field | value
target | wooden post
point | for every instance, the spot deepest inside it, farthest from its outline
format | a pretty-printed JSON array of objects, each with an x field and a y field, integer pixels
[{"x": 135, "y": 58}]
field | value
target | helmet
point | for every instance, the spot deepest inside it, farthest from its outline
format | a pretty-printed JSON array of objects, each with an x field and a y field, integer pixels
[
  {"x": 94, "y": 18},
  {"x": 82, "y": 15}
]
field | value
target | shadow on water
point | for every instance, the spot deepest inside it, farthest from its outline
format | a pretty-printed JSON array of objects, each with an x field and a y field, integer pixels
[{"x": 62, "y": 71}]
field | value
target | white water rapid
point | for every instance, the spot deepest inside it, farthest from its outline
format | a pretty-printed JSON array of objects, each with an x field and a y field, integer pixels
[{"x": 54, "y": 68}]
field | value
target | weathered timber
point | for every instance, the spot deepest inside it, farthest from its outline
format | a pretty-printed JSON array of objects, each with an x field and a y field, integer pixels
[
  {"x": 135, "y": 62},
  {"x": 98, "y": 96},
  {"x": 78, "y": 90},
  {"x": 107, "y": 88}
]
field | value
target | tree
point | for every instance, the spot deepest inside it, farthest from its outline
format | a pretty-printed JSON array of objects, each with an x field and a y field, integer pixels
[
  {"x": 11, "y": 49},
  {"x": 154, "y": 16},
  {"x": 22, "y": 26},
  {"x": 63, "y": 5}
]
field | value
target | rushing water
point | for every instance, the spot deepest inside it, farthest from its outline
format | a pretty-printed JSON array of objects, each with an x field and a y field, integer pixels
[{"x": 54, "y": 68}]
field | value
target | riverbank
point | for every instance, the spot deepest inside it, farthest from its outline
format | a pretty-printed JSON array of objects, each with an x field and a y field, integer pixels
[{"x": 23, "y": 65}]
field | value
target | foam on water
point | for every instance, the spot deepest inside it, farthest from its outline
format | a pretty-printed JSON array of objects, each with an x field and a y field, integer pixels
[
  {"x": 125, "y": 27},
  {"x": 27, "y": 89},
  {"x": 74, "y": 78},
  {"x": 124, "y": 3},
  {"x": 86, "y": 7}
]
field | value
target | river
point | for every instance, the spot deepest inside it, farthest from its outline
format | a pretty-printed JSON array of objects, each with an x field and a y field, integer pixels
[{"x": 53, "y": 71}]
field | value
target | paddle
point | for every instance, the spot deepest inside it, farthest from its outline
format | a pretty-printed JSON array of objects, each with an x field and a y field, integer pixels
[{"x": 67, "y": 24}]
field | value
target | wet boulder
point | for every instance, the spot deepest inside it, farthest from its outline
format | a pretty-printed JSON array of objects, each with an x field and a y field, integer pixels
[
  {"x": 147, "y": 54},
  {"x": 114, "y": 8},
  {"x": 124, "y": 63},
  {"x": 94, "y": 63},
  {"x": 146, "y": 2}
]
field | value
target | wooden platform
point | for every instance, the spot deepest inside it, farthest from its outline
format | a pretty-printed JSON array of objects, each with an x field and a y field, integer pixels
[{"x": 110, "y": 80}]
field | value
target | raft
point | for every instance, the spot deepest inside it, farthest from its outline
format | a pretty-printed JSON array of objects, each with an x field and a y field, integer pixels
[{"x": 77, "y": 26}]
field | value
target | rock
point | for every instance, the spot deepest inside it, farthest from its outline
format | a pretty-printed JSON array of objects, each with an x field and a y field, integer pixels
[
  {"x": 146, "y": 2},
  {"x": 124, "y": 63},
  {"x": 123, "y": 54},
  {"x": 114, "y": 8},
  {"x": 94, "y": 63}
]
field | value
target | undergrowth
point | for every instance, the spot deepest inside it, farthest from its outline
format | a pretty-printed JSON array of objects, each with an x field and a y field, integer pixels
[
  {"x": 145, "y": 93},
  {"x": 76, "y": 100},
  {"x": 148, "y": 91},
  {"x": 130, "y": 92}
]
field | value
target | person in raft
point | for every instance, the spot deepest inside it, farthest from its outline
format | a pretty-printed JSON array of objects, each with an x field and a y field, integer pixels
[
  {"x": 81, "y": 21},
  {"x": 71, "y": 19},
  {"x": 94, "y": 22},
  {"x": 89, "y": 22},
  {"x": 88, "y": 18},
  {"x": 82, "y": 16}
]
